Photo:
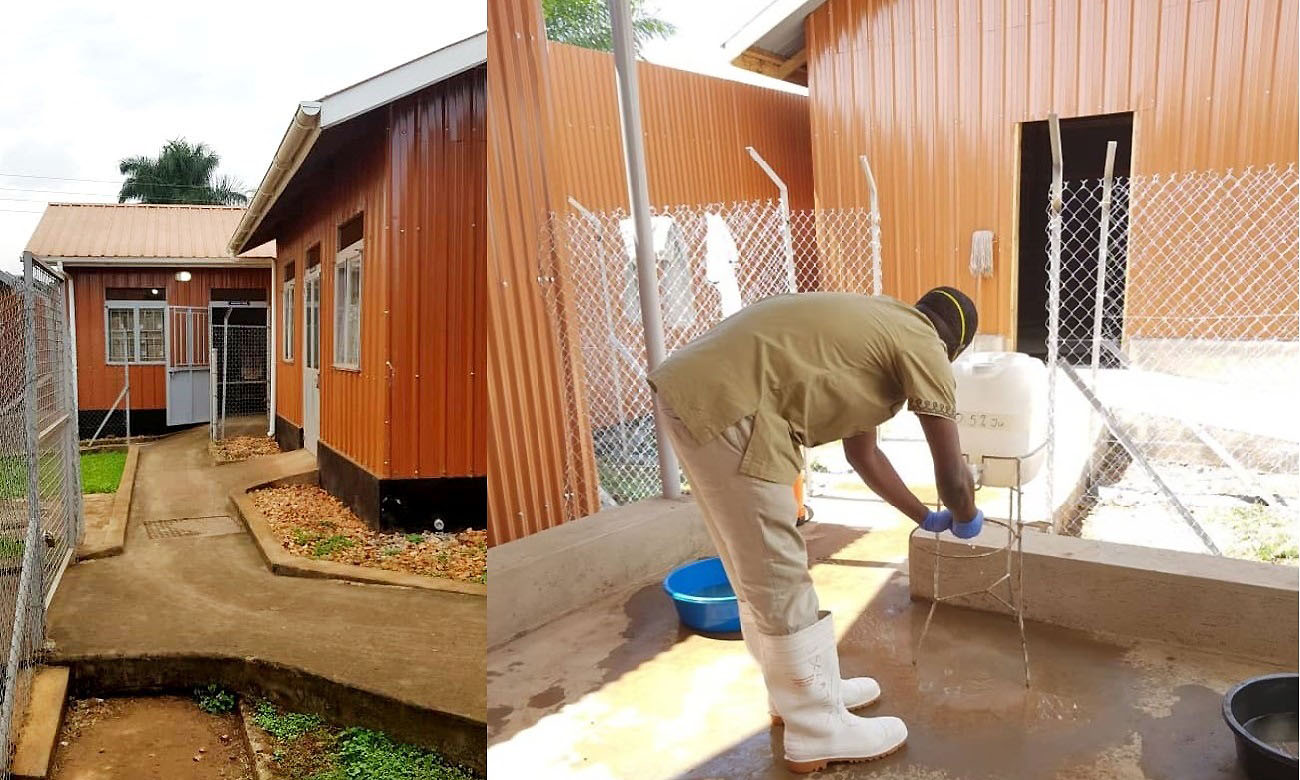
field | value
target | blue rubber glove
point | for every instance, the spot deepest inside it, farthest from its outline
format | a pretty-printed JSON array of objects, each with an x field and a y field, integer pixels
[
  {"x": 937, "y": 521},
  {"x": 971, "y": 529}
]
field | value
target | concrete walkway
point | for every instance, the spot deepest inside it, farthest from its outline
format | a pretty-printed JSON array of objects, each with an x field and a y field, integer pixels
[
  {"x": 213, "y": 596},
  {"x": 619, "y": 689}
]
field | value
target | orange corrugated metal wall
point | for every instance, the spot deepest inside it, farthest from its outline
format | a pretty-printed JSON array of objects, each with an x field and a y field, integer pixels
[
  {"x": 527, "y": 456},
  {"x": 437, "y": 304},
  {"x": 99, "y": 383},
  {"x": 417, "y": 407},
  {"x": 288, "y": 373},
  {"x": 934, "y": 92},
  {"x": 554, "y": 133},
  {"x": 696, "y": 130},
  {"x": 353, "y": 404}
]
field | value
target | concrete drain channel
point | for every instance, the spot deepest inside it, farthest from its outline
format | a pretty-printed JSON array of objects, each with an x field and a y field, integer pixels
[{"x": 188, "y": 527}]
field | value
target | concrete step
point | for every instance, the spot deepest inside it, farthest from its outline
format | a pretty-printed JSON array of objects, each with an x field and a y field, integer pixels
[{"x": 40, "y": 729}]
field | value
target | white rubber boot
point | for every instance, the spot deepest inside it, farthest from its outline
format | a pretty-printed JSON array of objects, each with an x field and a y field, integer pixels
[
  {"x": 857, "y": 691},
  {"x": 803, "y": 677}
]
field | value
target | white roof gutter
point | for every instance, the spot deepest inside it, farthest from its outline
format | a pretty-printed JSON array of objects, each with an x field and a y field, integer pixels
[{"x": 297, "y": 142}]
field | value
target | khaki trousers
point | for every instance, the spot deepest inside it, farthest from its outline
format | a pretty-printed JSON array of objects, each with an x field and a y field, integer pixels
[{"x": 752, "y": 523}]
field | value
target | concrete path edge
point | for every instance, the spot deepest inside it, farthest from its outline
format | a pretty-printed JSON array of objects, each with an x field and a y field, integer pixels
[
  {"x": 282, "y": 562},
  {"x": 34, "y": 752},
  {"x": 115, "y": 540},
  {"x": 459, "y": 739}
]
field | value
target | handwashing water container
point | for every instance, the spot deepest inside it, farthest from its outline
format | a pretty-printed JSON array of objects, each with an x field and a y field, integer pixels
[{"x": 1002, "y": 413}]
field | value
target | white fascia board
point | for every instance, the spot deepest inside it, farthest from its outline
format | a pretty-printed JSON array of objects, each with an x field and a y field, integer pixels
[
  {"x": 161, "y": 262},
  {"x": 777, "y": 27},
  {"x": 403, "y": 80}
]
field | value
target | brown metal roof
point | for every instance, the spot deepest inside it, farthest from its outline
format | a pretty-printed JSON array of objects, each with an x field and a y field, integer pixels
[{"x": 133, "y": 230}]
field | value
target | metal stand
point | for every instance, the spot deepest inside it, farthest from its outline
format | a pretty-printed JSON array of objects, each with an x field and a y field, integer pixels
[{"x": 1014, "y": 552}]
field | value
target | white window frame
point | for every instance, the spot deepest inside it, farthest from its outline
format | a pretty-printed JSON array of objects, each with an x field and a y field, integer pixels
[
  {"x": 347, "y": 328},
  {"x": 134, "y": 307},
  {"x": 287, "y": 313}
]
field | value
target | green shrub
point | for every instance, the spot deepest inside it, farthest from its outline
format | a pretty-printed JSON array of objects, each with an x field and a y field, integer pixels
[
  {"x": 363, "y": 754},
  {"x": 214, "y": 700}
]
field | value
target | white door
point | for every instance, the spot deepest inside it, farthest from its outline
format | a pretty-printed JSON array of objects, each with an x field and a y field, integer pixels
[
  {"x": 187, "y": 365},
  {"x": 311, "y": 360}
]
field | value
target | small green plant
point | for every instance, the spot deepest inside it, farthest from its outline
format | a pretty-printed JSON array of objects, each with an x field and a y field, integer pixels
[
  {"x": 818, "y": 467},
  {"x": 362, "y": 753},
  {"x": 330, "y": 545},
  {"x": 284, "y": 726},
  {"x": 10, "y": 547},
  {"x": 303, "y": 536},
  {"x": 415, "y": 538},
  {"x": 214, "y": 700},
  {"x": 390, "y": 551}
]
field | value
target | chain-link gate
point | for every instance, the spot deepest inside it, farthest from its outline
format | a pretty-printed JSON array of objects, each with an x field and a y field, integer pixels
[
  {"x": 712, "y": 261},
  {"x": 1184, "y": 338},
  {"x": 238, "y": 376},
  {"x": 40, "y": 477}
]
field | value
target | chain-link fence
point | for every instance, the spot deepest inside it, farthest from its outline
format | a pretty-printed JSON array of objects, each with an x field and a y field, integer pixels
[
  {"x": 1184, "y": 330},
  {"x": 111, "y": 426},
  {"x": 40, "y": 478},
  {"x": 712, "y": 261},
  {"x": 239, "y": 379}
]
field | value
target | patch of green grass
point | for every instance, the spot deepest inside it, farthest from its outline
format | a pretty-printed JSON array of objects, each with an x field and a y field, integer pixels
[
  {"x": 10, "y": 547},
  {"x": 306, "y": 748},
  {"x": 331, "y": 545},
  {"x": 1261, "y": 533},
  {"x": 390, "y": 551},
  {"x": 362, "y": 753},
  {"x": 214, "y": 700},
  {"x": 415, "y": 538},
  {"x": 101, "y": 471},
  {"x": 303, "y": 536},
  {"x": 284, "y": 726}
]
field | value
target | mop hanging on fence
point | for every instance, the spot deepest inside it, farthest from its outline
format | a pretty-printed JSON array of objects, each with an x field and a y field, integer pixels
[{"x": 981, "y": 254}]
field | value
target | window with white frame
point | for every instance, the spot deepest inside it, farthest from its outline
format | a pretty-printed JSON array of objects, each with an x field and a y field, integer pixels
[
  {"x": 347, "y": 307},
  {"x": 135, "y": 331},
  {"x": 287, "y": 319}
]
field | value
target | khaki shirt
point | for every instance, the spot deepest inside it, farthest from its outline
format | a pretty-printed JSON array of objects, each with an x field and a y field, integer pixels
[{"x": 810, "y": 368}]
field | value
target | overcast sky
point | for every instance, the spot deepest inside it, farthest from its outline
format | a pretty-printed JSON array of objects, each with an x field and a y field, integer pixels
[{"x": 88, "y": 83}]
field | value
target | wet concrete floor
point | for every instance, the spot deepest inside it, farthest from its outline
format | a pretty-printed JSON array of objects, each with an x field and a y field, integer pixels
[{"x": 620, "y": 690}]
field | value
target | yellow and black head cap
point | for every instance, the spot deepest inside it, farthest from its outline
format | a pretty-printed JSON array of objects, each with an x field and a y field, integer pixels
[{"x": 955, "y": 312}]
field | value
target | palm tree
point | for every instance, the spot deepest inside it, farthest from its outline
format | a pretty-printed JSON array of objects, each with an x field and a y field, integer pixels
[
  {"x": 586, "y": 23},
  {"x": 181, "y": 173}
]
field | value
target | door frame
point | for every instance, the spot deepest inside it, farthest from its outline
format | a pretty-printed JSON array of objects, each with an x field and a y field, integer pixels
[{"x": 311, "y": 284}]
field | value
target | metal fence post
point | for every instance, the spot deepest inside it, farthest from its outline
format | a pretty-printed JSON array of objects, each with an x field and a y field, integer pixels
[
  {"x": 1053, "y": 306},
  {"x": 1103, "y": 254},
  {"x": 787, "y": 241},
  {"x": 639, "y": 199},
  {"x": 126, "y": 380},
  {"x": 877, "y": 283}
]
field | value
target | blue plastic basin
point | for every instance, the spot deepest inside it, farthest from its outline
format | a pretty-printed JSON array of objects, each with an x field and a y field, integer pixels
[{"x": 703, "y": 596}]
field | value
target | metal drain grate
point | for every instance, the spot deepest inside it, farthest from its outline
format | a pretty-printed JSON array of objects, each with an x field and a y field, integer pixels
[{"x": 176, "y": 528}]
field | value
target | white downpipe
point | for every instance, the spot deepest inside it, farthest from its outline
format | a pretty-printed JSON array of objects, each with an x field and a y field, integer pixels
[
  {"x": 629, "y": 103},
  {"x": 877, "y": 283},
  {"x": 1103, "y": 255},
  {"x": 787, "y": 242},
  {"x": 271, "y": 353},
  {"x": 1053, "y": 305}
]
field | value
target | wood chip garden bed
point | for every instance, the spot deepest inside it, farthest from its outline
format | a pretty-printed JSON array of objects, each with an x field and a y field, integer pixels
[
  {"x": 238, "y": 448},
  {"x": 311, "y": 523}
]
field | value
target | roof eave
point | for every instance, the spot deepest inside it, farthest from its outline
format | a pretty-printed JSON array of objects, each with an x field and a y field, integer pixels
[
  {"x": 157, "y": 262},
  {"x": 313, "y": 117},
  {"x": 771, "y": 43}
]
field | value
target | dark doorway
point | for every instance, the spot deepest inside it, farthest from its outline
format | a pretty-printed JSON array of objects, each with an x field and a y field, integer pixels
[{"x": 1083, "y": 153}]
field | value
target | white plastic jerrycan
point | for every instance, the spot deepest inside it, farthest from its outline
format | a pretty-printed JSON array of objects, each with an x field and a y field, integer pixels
[{"x": 1002, "y": 413}]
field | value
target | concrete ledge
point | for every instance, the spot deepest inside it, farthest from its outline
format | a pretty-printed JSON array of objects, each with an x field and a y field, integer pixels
[
  {"x": 460, "y": 739},
  {"x": 281, "y": 561},
  {"x": 40, "y": 727},
  {"x": 1242, "y": 608},
  {"x": 541, "y": 577},
  {"x": 111, "y": 540}
]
